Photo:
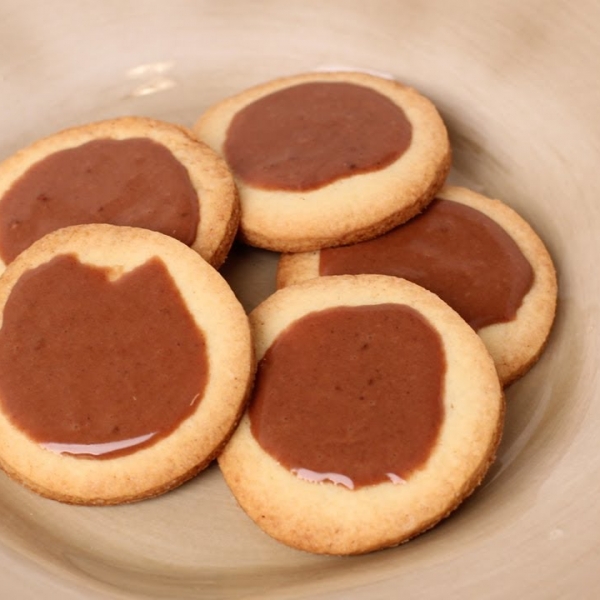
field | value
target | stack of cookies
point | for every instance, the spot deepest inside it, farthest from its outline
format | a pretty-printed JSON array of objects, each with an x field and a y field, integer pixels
[{"x": 355, "y": 407}]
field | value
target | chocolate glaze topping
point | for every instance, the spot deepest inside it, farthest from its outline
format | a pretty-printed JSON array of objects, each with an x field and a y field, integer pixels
[
  {"x": 94, "y": 367},
  {"x": 308, "y": 135},
  {"x": 451, "y": 249},
  {"x": 352, "y": 395},
  {"x": 135, "y": 182}
]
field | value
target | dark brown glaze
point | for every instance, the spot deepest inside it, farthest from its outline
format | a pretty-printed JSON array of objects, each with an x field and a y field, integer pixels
[
  {"x": 135, "y": 182},
  {"x": 453, "y": 250},
  {"x": 351, "y": 394},
  {"x": 308, "y": 135},
  {"x": 95, "y": 367}
]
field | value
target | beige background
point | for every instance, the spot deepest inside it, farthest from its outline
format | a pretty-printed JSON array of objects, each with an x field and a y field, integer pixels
[{"x": 517, "y": 83}]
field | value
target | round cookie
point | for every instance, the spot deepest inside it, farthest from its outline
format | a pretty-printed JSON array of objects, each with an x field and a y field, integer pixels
[
  {"x": 125, "y": 363},
  {"x": 310, "y": 460},
  {"x": 323, "y": 159},
  {"x": 131, "y": 171},
  {"x": 516, "y": 330}
]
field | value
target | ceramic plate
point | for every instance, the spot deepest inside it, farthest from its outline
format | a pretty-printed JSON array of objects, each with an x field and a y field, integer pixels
[{"x": 517, "y": 83}]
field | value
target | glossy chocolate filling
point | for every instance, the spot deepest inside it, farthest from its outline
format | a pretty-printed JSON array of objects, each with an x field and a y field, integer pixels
[
  {"x": 95, "y": 367},
  {"x": 352, "y": 395},
  {"x": 309, "y": 135},
  {"x": 135, "y": 182},
  {"x": 451, "y": 249}
]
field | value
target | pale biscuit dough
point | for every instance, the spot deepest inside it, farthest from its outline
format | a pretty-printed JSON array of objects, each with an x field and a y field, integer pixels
[
  {"x": 347, "y": 210},
  {"x": 173, "y": 459},
  {"x": 219, "y": 207},
  {"x": 515, "y": 345},
  {"x": 332, "y": 519}
]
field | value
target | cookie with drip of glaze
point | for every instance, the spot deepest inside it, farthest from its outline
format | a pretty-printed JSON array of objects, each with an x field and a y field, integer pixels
[
  {"x": 321, "y": 493},
  {"x": 125, "y": 363}
]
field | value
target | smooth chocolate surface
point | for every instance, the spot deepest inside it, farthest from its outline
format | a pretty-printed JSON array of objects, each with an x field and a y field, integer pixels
[
  {"x": 136, "y": 182},
  {"x": 453, "y": 250},
  {"x": 94, "y": 367},
  {"x": 351, "y": 395},
  {"x": 308, "y": 135}
]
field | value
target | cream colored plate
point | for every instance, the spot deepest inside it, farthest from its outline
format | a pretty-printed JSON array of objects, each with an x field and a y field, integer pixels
[{"x": 517, "y": 82}]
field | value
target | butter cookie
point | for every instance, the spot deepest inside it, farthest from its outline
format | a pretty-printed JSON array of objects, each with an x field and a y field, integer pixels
[
  {"x": 130, "y": 171},
  {"x": 125, "y": 362},
  {"x": 376, "y": 411},
  {"x": 477, "y": 254},
  {"x": 328, "y": 158}
]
